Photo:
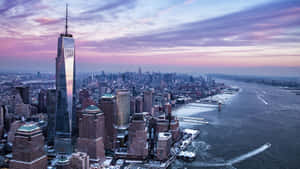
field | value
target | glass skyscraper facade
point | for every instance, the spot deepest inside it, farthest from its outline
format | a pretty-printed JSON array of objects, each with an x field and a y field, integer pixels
[{"x": 65, "y": 87}]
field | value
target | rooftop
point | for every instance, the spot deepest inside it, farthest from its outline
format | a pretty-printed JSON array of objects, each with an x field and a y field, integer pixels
[
  {"x": 164, "y": 135},
  {"x": 62, "y": 160},
  {"x": 92, "y": 109},
  {"x": 122, "y": 92},
  {"x": 138, "y": 116},
  {"x": 29, "y": 127},
  {"x": 108, "y": 96}
]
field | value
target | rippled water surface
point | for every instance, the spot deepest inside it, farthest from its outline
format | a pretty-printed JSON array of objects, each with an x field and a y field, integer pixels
[{"x": 256, "y": 115}]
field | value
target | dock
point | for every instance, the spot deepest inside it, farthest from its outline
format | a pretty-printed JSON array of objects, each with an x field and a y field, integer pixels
[{"x": 182, "y": 144}]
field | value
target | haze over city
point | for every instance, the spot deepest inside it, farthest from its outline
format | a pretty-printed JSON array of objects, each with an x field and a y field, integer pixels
[{"x": 206, "y": 36}]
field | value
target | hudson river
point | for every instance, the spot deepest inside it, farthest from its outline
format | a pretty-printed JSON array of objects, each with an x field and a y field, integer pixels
[{"x": 258, "y": 114}]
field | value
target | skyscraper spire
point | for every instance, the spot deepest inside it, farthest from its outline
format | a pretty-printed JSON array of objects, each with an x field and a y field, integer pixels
[
  {"x": 65, "y": 115},
  {"x": 66, "y": 33}
]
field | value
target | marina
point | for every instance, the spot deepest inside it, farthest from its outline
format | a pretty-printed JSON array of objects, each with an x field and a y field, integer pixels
[{"x": 177, "y": 151}]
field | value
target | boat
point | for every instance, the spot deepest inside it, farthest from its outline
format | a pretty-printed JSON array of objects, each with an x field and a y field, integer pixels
[{"x": 187, "y": 155}]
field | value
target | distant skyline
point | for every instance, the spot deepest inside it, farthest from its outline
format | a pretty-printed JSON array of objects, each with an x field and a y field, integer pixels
[{"x": 207, "y": 36}]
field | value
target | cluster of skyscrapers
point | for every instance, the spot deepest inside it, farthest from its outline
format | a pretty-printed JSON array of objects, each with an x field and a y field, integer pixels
[
  {"x": 92, "y": 126},
  {"x": 88, "y": 128}
]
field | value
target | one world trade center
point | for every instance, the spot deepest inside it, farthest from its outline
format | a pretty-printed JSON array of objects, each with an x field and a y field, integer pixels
[{"x": 65, "y": 92}]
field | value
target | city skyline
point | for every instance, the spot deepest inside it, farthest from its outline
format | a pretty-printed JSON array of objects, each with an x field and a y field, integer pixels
[
  {"x": 203, "y": 36},
  {"x": 149, "y": 84}
]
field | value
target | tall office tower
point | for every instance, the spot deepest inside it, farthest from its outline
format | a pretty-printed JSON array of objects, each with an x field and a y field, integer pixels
[
  {"x": 168, "y": 124},
  {"x": 28, "y": 148},
  {"x": 123, "y": 109},
  {"x": 156, "y": 111},
  {"x": 83, "y": 95},
  {"x": 23, "y": 110},
  {"x": 42, "y": 101},
  {"x": 147, "y": 101},
  {"x": 139, "y": 104},
  {"x": 108, "y": 106},
  {"x": 87, "y": 102},
  {"x": 122, "y": 117},
  {"x": 51, "y": 109},
  {"x": 85, "y": 99},
  {"x": 24, "y": 93},
  {"x": 13, "y": 129},
  {"x": 1, "y": 121},
  {"x": 137, "y": 137},
  {"x": 174, "y": 128},
  {"x": 161, "y": 124},
  {"x": 6, "y": 117},
  {"x": 168, "y": 112},
  {"x": 38, "y": 74},
  {"x": 173, "y": 122},
  {"x": 65, "y": 92},
  {"x": 92, "y": 133},
  {"x": 140, "y": 71},
  {"x": 168, "y": 109},
  {"x": 102, "y": 88},
  {"x": 132, "y": 106},
  {"x": 151, "y": 135}
]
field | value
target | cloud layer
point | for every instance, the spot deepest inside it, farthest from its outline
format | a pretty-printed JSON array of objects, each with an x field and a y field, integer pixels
[{"x": 263, "y": 33}]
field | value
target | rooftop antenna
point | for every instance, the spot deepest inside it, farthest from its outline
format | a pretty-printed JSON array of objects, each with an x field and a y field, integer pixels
[{"x": 66, "y": 19}]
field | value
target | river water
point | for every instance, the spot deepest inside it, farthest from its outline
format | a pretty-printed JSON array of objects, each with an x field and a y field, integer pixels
[{"x": 258, "y": 114}]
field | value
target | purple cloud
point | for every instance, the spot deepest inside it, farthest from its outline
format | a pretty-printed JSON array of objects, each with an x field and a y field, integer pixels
[
  {"x": 113, "y": 5},
  {"x": 9, "y": 4},
  {"x": 48, "y": 21},
  {"x": 100, "y": 14},
  {"x": 258, "y": 25}
]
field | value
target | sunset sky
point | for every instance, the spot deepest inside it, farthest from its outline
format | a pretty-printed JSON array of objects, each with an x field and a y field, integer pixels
[{"x": 229, "y": 36}]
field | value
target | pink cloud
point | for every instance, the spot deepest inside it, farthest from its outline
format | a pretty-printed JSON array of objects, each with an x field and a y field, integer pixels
[
  {"x": 47, "y": 21},
  {"x": 186, "y": 59},
  {"x": 31, "y": 48}
]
